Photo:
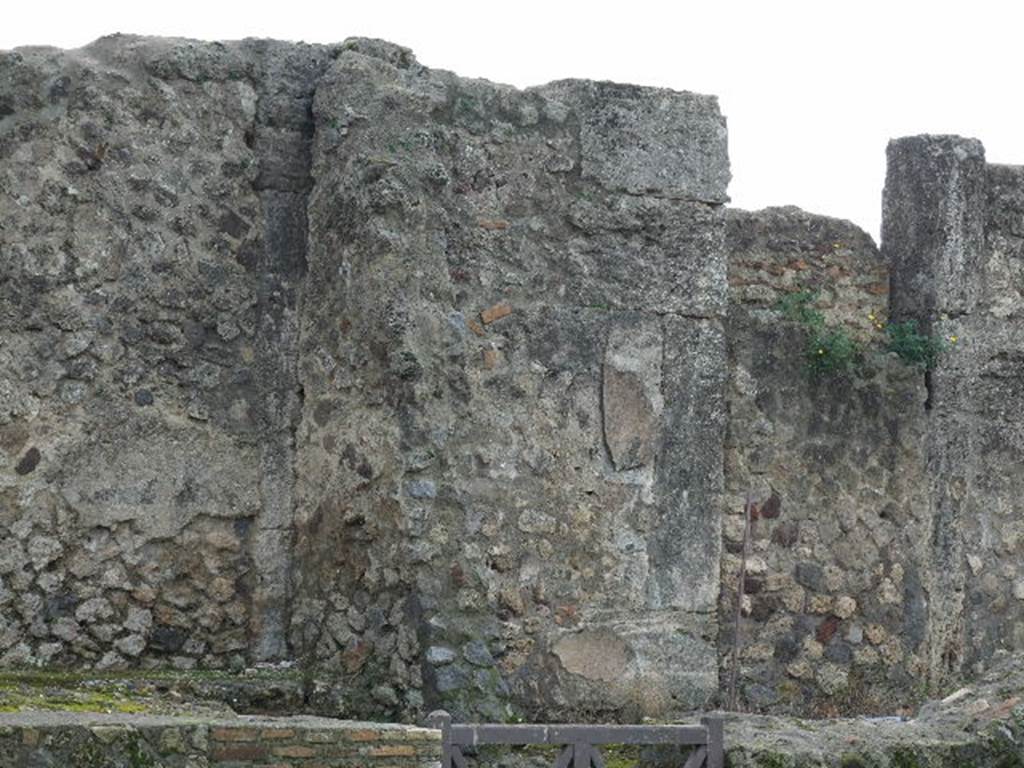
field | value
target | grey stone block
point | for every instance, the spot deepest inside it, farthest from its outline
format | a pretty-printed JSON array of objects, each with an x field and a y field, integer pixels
[
  {"x": 933, "y": 224},
  {"x": 648, "y": 140}
]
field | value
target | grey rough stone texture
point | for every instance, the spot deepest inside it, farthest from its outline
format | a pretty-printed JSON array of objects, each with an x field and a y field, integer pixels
[
  {"x": 933, "y": 224},
  {"x": 473, "y": 296},
  {"x": 648, "y": 140},
  {"x": 153, "y": 241},
  {"x": 837, "y": 470},
  {"x": 974, "y": 440},
  {"x": 455, "y": 391},
  {"x": 975, "y": 725}
]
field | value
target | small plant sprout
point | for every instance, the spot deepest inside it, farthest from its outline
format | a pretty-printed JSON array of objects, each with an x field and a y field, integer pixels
[
  {"x": 913, "y": 347},
  {"x": 831, "y": 350}
]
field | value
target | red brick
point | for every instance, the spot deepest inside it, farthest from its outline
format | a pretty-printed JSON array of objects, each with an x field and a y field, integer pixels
[
  {"x": 234, "y": 734},
  {"x": 393, "y": 750},
  {"x": 355, "y": 657},
  {"x": 498, "y": 311},
  {"x": 294, "y": 750},
  {"x": 827, "y": 629},
  {"x": 238, "y": 752},
  {"x": 277, "y": 733}
]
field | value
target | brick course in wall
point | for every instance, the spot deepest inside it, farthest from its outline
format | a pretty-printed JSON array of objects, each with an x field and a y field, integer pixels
[{"x": 96, "y": 740}]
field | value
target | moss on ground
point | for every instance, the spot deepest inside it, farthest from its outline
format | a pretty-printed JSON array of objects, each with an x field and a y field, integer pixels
[
  {"x": 117, "y": 692},
  {"x": 18, "y": 697},
  {"x": 621, "y": 756},
  {"x": 62, "y": 677}
]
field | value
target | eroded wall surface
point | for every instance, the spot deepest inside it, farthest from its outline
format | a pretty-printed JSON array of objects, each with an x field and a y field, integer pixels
[
  {"x": 153, "y": 244},
  {"x": 521, "y": 296},
  {"x": 834, "y": 614},
  {"x": 455, "y": 392},
  {"x": 315, "y": 353},
  {"x": 953, "y": 231}
]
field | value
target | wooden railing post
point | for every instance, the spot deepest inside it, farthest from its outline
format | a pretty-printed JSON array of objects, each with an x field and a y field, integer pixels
[
  {"x": 716, "y": 741},
  {"x": 441, "y": 720}
]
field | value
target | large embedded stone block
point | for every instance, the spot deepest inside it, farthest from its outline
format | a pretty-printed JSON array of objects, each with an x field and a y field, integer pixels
[
  {"x": 631, "y": 394},
  {"x": 933, "y": 224},
  {"x": 606, "y": 261},
  {"x": 643, "y": 664},
  {"x": 649, "y": 140},
  {"x": 689, "y": 476}
]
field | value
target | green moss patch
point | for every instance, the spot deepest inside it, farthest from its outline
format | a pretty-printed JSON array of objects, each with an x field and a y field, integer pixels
[
  {"x": 153, "y": 691},
  {"x": 20, "y": 698}
]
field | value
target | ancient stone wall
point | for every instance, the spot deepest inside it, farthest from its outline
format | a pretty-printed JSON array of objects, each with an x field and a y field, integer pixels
[
  {"x": 458, "y": 457},
  {"x": 892, "y": 494},
  {"x": 153, "y": 242},
  {"x": 778, "y": 251},
  {"x": 456, "y": 391},
  {"x": 833, "y": 617},
  {"x": 952, "y": 229},
  {"x": 508, "y": 490}
]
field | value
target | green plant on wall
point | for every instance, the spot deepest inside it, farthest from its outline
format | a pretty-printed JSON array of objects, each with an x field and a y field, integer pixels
[
  {"x": 913, "y": 347},
  {"x": 832, "y": 351},
  {"x": 797, "y": 306},
  {"x": 829, "y": 349}
]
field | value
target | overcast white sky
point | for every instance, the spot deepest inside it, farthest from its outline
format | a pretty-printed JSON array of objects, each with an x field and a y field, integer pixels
[{"x": 812, "y": 90}]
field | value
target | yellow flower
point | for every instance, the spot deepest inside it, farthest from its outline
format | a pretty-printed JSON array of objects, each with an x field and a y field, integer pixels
[
  {"x": 953, "y": 339},
  {"x": 871, "y": 315},
  {"x": 821, "y": 351}
]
